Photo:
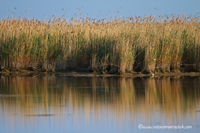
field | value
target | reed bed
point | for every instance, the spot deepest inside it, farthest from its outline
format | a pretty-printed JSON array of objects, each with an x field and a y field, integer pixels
[{"x": 147, "y": 44}]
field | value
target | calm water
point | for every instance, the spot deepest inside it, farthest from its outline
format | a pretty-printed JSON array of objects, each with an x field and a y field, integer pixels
[{"x": 98, "y": 105}]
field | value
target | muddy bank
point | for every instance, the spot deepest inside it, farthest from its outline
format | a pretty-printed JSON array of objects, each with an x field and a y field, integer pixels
[
  {"x": 138, "y": 67},
  {"x": 31, "y": 71}
]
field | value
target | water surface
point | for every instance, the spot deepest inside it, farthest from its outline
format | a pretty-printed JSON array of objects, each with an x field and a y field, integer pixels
[{"x": 53, "y": 104}]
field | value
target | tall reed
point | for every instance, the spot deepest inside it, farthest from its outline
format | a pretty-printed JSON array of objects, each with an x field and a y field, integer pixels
[{"x": 145, "y": 44}]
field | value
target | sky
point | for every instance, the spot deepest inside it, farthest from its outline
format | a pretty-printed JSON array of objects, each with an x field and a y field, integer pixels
[{"x": 45, "y": 9}]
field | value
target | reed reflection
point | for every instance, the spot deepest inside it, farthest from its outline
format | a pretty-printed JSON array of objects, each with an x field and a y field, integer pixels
[{"x": 151, "y": 101}]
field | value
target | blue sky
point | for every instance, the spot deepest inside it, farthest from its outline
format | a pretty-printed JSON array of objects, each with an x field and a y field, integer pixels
[{"x": 44, "y": 9}]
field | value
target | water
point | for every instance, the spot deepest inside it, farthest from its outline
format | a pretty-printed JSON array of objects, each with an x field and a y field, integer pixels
[{"x": 99, "y": 105}]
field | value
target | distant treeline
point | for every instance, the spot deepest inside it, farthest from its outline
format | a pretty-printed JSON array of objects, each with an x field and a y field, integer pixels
[{"x": 147, "y": 44}]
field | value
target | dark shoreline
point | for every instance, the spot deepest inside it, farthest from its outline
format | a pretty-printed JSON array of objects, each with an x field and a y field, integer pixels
[{"x": 31, "y": 72}]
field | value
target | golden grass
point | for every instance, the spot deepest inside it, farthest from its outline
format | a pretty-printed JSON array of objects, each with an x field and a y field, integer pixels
[{"x": 123, "y": 44}]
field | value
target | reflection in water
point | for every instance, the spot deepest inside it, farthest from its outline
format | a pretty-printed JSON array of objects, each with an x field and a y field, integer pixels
[{"x": 97, "y": 104}]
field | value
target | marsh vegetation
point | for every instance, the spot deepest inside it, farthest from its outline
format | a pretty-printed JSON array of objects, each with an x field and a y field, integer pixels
[{"x": 147, "y": 44}]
